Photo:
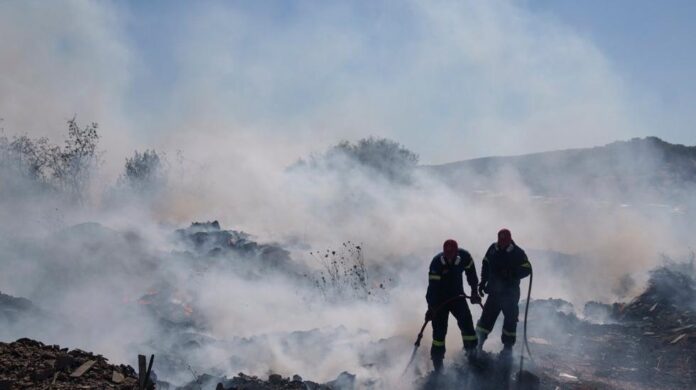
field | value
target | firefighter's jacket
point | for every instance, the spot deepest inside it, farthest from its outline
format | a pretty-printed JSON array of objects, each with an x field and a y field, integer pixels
[
  {"x": 445, "y": 279},
  {"x": 502, "y": 269}
]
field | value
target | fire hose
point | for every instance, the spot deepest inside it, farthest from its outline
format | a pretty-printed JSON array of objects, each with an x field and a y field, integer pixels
[
  {"x": 526, "y": 312},
  {"x": 432, "y": 313}
]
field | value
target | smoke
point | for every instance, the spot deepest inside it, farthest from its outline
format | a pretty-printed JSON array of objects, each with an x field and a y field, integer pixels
[
  {"x": 247, "y": 92},
  {"x": 228, "y": 313},
  {"x": 467, "y": 72}
]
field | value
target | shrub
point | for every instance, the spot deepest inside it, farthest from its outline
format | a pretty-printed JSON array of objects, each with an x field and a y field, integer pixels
[
  {"x": 66, "y": 169},
  {"x": 384, "y": 157},
  {"x": 144, "y": 171}
]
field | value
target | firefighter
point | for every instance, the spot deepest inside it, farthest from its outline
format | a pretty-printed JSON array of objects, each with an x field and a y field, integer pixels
[
  {"x": 444, "y": 283},
  {"x": 504, "y": 265}
]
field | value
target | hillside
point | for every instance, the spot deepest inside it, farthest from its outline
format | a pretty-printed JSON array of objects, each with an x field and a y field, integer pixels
[{"x": 642, "y": 169}]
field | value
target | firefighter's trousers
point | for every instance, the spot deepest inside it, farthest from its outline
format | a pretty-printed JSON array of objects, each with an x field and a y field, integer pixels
[
  {"x": 508, "y": 303},
  {"x": 460, "y": 311}
]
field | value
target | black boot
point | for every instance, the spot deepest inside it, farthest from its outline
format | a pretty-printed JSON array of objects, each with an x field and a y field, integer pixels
[
  {"x": 437, "y": 365},
  {"x": 506, "y": 353},
  {"x": 481, "y": 336},
  {"x": 471, "y": 355}
]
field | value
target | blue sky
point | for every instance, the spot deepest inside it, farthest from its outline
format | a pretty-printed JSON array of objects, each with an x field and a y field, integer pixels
[
  {"x": 652, "y": 44},
  {"x": 449, "y": 79}
]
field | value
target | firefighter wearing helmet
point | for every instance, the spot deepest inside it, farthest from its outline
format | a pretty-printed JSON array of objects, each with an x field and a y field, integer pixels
[
  {"x": 444, "y": 286},
  {"x": 504, "y": 265}
]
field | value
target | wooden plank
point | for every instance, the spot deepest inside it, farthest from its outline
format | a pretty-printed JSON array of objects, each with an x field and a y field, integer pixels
[
  {"x": 141, "y": 371},
  {"x": 149, "y": 370},
  {"x": 83, "y": 368}
]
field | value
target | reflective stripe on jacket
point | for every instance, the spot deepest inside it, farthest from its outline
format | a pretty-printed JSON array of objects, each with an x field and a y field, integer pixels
[
  {"x": 502, "y": 269},
  {"x": 445, "y": 279}
]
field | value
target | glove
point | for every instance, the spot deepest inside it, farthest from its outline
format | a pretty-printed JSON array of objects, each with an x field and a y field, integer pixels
[
  {"x": 482, "y": 289},
  {"x": 475, "y": 298},
  {"x": 428, "y": 315}
]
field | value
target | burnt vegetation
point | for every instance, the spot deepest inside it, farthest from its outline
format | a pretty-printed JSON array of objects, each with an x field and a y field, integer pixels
[
  {"x": 144, "y": 172},
  {"x": 343, "y": 275},
  {"x": 38, "y": 163}
]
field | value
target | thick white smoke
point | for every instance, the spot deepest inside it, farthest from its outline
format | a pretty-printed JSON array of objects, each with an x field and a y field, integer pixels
[{"x": 469, "y": 79}]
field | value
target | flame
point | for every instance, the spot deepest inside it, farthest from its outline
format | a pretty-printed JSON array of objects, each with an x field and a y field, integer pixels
[{"x": 188, "y": 310}]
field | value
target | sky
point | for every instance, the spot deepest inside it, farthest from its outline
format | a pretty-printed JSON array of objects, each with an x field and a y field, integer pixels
[
  {"x": 651, "y": 44},
  {"x": 448, "y": 79}
]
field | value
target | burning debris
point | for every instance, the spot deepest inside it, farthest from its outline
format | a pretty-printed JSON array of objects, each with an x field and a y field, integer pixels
[
  {"x": 645, "y": 344},
  {"x": 29, "y": 364},
  {"x": 208, "y": 238},
  {"x": 345, "y": 381},
  {"x": 172, "y": 308},
  {"x": 669, "y": 299},
  {"x": 208, "y": 242}
]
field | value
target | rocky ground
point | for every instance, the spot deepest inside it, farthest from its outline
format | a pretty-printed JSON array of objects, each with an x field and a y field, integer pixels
[
  {"x": 29, "y": 364},
  {"x": 344, "y": 381}
]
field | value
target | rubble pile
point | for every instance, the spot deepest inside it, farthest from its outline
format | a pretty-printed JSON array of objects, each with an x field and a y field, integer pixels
[
  {"x": 274, "y": 382},
  {"x": 172, "y": 308},
  {"x": 665, "y": 310},
  {"x": 667, "y": 302},
  {"x": 29, "y": 364},
  {"x": 209, "y": 238},
  {"x": 644, "y": 344},
  {"x": 345, "y": 381}
]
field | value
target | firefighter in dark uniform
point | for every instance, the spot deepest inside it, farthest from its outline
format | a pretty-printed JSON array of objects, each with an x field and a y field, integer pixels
[
  {"x": 504, "y": 265},
  {"x": 445, "y": 283}
]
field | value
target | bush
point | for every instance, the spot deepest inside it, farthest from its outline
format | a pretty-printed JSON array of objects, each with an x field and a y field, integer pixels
[
  {"x": 66, "y": 169},
  {"x": 385, "y": 157},
  {"x": 144, "y": 171}
]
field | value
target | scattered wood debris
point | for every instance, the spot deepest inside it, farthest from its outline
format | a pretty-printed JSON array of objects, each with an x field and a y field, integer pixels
[
  {"x": 83, "y": 368},
  {"x": 29, "y": 364}
]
